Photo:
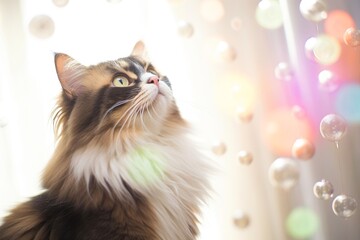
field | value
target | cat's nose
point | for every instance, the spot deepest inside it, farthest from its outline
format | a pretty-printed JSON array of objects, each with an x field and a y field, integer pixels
[{"x": 153, "y": 80}]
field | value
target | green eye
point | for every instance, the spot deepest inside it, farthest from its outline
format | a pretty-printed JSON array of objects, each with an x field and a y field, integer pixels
[{"x": 121, "y": 81}]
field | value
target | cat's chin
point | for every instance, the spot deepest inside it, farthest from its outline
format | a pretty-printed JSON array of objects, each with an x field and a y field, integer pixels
[
  {"x": 159, "y": 106},
  {"x": 161, "y": 98}
]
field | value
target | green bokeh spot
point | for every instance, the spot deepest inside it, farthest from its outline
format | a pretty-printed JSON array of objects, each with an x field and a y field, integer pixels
[
  {"x": 302, "y": 223},
  {"x": 146, "y": 166}
]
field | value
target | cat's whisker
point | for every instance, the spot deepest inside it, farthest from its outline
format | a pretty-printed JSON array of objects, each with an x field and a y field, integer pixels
[
  {"x": 157, "y": 115},
  {"x": 140, "y": 105},
  {"x": 142, "y": 117},
  {"x": 117, "y": 104},
  {"x": 117, "y": 138},
  {"x": 128, "y": 113}
]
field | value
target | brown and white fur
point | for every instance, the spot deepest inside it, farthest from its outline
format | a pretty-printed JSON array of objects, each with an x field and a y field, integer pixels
[{"x": 124, "y": 166}]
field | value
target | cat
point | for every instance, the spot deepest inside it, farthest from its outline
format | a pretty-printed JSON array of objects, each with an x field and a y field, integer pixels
[{"x": 124, "y": 166}]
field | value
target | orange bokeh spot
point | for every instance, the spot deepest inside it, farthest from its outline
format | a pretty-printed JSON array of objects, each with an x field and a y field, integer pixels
[
  {"x": 337, "y": 23},
  {"x": 282, "y": 128}
]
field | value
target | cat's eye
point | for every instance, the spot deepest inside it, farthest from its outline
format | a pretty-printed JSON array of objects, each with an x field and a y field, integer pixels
[{"x": 121, "y": 81}]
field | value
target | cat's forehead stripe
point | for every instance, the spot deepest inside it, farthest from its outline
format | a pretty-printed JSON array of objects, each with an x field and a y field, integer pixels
[
  {"x": 131, "y": 74},
  {"x": 115, "y": 70}
]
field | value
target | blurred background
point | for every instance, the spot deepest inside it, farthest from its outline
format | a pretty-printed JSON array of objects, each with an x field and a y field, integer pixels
[{"x": 272, "y": 88}]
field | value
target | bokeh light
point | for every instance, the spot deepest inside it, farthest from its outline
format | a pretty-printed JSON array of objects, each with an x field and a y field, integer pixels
[
  {"x": 333, "y": 127},
  {"x": 313, "y": 10},
  {"x": 236, "y": 93},
  {"x": 283, "y": 71},
  {"x": 344, "y": 206},
  {"x": 348, "y": 102},
  {"x": 212, "y": 10},
  {"x": 268, "y": 14},
  {"x": 146, "y": 166},
  {"x": 327, "y": 49},
  {"x": 241, "y": 219},
  {"x": 284, "y": 173},
  {"x": 224, "y": 52},
  {"x": 303, "y": 149},
  {"x": 185, "y": 29},
  {"x": 244, "y": 115},
  {"x": 218, "y": 148},
  {"x": 309, "y": 48},
  {"x": 245, "y": 157},
  {"x": 323, "y": 190},
  {"x": 328, "y": 81},
  {"x": 352, "y": 37},
  {"x": 302, "y": 223},
  {"x": 283, "y": 128},
  {"x": 42, "y": 26},
  {"x": 298, "y": 112},
  {"x": 337, "y": 22}
]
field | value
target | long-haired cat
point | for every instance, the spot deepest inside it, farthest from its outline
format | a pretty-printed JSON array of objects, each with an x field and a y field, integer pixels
[{"x": 123, "y": 168}]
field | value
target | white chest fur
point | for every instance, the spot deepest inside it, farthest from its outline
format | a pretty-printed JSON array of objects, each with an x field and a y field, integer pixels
[{"x": 172, "y": 175}]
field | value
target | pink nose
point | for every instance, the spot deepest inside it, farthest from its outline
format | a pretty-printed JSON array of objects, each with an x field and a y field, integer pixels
[{"x": 153, "y": 80}]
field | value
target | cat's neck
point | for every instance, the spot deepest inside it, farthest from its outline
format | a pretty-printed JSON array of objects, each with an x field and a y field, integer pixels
[{"x": 167, "y": 170}]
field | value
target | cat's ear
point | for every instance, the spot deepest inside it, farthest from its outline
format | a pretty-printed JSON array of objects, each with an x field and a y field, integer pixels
[
  {"x": 70, "y": 74},
  {"x": 139, "y": 50}
]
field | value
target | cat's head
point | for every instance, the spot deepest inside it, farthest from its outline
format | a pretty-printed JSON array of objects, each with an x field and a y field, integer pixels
[{"x": 113, "y": 100}]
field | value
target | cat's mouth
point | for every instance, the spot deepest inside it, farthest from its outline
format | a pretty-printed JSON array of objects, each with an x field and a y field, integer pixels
[{"x": 158, "y": 92}]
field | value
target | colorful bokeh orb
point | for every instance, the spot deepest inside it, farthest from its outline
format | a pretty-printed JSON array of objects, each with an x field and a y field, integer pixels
[
  {"x": 283, "y": 71},
  {"x": 344, "y": 206},
  {"x": 327, "y": 49},
  {"x": 241, "y": 220},
  {"x": 42, "y": 26},
  {"x": 185, "y": 29},
  {"x": 298, "y": 112},
  {"x": 309, "y": 48},
  {"x": 268, "y": 14},
  {"x": 244, "y": 115},
  {"x": 282, "y": 129},
  {"x": 333, "y": 127},
  {"x": 212, "y": 10},
  {"x": 323, "y": 190},
  {"x": 224, "y": 52},
  {"x": 303, "y": 149},
  {"x": 337, "y": 22},
  {"x": 146, "y": 167},
  {"x": 218, "y": 148},
  {"x": 284, "y": 173},
  {"x": 313, "y": 10},
  {"x": 245, "y": 157},
  {"x": 302, "y": 223},
  {"x": 328, "y": 81},
  {"x": 348, "y": 102},
  {"x": 352, "y": 37}
]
